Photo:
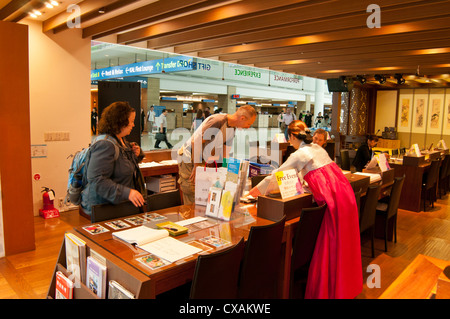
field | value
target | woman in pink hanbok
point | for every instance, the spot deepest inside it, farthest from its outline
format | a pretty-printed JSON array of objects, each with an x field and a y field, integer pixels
[{"x": 336, "y": 269}]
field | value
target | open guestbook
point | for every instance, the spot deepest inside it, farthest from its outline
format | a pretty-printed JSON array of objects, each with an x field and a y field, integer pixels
[{"x": 157, "y": 242}]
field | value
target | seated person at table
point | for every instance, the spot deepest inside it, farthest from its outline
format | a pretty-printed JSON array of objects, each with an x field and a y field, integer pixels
[
  {"x": 114, "y": 178},
  {"x": 320, "y": 137},
  {"x": 217, "y": 130},
  {"x": 336, "y": 269},
  {"x": 365, "y": 153}
]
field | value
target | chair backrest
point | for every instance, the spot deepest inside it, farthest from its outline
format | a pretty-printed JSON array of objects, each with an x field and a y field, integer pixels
[
  {"x": 444, "y": 167},
  {"x": 448, "y": 166},
  {"x": 394, "y": 198},
  {"x": 163, "y": 200},
  {"x": 261, "y": 262},
  {"x": 306, "y": 236},
  {"x": 369, "y": 209},
  {"x": 358, "y": 199},
  {"x": 103, "y": 212},
  {"x": 433, "y": 174},
  {"x": 345, "y": 160},
  {"x": 216, "y": 275},
  {"x": 257, "y": 179}
]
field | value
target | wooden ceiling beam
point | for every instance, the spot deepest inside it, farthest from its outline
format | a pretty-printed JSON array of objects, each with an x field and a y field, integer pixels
[
  {"x": 222, "y": 14},
  {"x": 12, "y": 7},
  {"x": 398, "y": 52},
  {"x": 321, "y": 71},
  {"x": 379, "y": 64},
  {"x": 327, "y": 18},
  {"x": 398, "y": 48},
  {"x": 341, "y": 35},
  {"x": 345, "y": 45},
  {"x": 88, "y": 9},
  {"x": 144, "y": 15}
]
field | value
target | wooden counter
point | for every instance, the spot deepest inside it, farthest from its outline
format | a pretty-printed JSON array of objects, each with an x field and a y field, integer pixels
[{"x": 411, "y": 196}]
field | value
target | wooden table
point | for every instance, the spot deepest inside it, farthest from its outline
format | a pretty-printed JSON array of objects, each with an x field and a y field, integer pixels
[
  {"x": 181, "y": 272},
  {"x": 422, "y": 279},
  {"x": 158, "y": 156},
  {"x": 159, "y": 170}
]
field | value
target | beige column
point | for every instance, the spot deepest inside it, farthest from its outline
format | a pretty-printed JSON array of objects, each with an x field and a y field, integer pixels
[
  {"x": 153, "y": 86},
  {"x": 225, "y": 102}
]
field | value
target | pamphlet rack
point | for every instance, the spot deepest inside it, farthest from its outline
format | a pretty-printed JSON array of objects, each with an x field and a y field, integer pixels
[{"x": 130, "y": 278}]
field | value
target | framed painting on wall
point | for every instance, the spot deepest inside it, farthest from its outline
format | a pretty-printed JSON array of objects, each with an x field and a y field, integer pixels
[
  {"x": 446, "y": 114},
  {"x": 405, "y": 111},
  {"x": 420, "y": 111},
  {"x": 435, "y": 111}
]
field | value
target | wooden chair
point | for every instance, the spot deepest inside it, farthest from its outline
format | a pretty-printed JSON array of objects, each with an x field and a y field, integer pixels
[
  {"x": 345, "y": 160},
  {"x": 163, "y": 200},
  {"x": 261, "y": 263},
  {"x": 443, "y": 177},
  {"x": 389, "y": 210},
  {"x": 368, "y": 212},
  {"x": 429, "y": 184},
  {"x": 216, "y": 275},
  {"x": 447, "y": 177},
  {"x": 103, "y": 212},
  {"x": 358, "y": 199},
  {"x": 303, "y": 246}
]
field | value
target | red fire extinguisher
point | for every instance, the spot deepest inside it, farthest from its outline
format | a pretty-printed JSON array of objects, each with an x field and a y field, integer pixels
[{"x": 49, "y": 210}]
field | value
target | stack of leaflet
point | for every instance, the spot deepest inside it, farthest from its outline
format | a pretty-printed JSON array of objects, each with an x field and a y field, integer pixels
[{"x": 222, "y": 201}]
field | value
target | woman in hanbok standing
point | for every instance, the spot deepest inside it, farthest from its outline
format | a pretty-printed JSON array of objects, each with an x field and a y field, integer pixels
[{"x": 336, "y": 269}]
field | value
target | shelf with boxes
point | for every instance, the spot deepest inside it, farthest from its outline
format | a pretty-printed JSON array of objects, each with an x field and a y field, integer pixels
[
  {"x": 122, "y": 280},
  {"x": 161, "y": 183}
]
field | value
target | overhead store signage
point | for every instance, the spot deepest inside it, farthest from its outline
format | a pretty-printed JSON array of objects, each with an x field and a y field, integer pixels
[
  {"x": 286, "y": 80},
  {"x": 237, "y": 72},
  {"x": 203, "y": 68},
  {"x": 207, "y": 68},
  {"x": 174, "y": 64},
  {"x": 141, "y": 80}
]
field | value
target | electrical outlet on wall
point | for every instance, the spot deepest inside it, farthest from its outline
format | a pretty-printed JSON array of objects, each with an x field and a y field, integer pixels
[{"x": 61, "y": 202}]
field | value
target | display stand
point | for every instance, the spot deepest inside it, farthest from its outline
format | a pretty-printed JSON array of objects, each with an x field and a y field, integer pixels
[
  {"x": 274, "y": 209},
  {"x": 130, "y": 278}
]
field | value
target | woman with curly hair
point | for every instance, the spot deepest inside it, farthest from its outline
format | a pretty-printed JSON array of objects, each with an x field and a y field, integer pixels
[
  {"x": 113, "y": 173},
  {"x": 336, "y": 269}
]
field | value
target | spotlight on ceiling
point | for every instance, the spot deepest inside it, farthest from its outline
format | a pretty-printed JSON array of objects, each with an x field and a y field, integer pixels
[
  {"x": 380, "y": 78},
  {"x": 361, "y": 79},
  {"x": 102, "y": 10},
  {"x": 399, "y": 78}
]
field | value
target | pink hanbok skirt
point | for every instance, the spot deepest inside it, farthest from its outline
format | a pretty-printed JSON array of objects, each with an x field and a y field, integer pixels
[{"x": 335, "y": 271}]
